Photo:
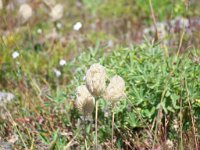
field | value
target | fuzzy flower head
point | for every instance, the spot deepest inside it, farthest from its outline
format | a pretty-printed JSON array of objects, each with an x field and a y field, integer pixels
[
  {"x": 57, "y": 12},
  {"x": 84, "y": 101},
  {"x": 96, "y": 79},
  {"x": 115, "y": 90},
  {"x": 25, "y": 12}
]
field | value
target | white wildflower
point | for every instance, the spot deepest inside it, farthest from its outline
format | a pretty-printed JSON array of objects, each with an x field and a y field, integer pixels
[
  {"x": 57, "y": 12},
  {"x": 96, "y": 79},
  {"x": 62, "y": 62},
  {"x": 77, "y": 26},
  {"x": 84, "y": 101},
  {"x": 25, "y": 12},
  {"x": 115, "y": 90},
  {"x": 15, "y": 54},
  {"x": 57, "y": 72}
]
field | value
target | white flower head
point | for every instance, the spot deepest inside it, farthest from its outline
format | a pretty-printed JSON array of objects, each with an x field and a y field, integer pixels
[
  {"x": 115, "y": 90},
  {"x": 62, "y": 62},
  {"x": 77, "y": 26},
  {"x": 15, "y": 54},
  {"x": 96, "y": 79},
  {"x": 57, "y": 72},
  {"x": 84, "y": 101},
  {"x": 25, "y": 12},
  {"x": 57, "y": 12}
]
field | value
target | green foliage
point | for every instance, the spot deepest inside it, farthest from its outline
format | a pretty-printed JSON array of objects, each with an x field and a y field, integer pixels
[{"x": 153, "y": 81}]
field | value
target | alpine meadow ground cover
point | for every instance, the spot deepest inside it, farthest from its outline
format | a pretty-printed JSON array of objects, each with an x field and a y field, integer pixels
[
  {"x": 99, "y": 74},
  {"x": 161, "y": 108}
]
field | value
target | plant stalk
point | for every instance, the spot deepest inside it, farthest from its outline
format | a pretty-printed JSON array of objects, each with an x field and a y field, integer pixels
[
  {"x": 96, "y": 126},
  {"x": 113, "y": 119}
]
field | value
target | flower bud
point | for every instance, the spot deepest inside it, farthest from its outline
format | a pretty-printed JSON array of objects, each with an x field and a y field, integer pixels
[
  {"x": 85, "y": 101},
  {"x": 115, "y": 90},
  {"x": 96, "y": 79}
]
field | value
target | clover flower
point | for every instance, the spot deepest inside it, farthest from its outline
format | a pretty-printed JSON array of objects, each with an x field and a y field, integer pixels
[
  {"x": 115, "y": 90},
  {"x": 25, "y": 12},
  {"x": 84, "y": 101},
  {"x": 77, "y": 26},
  {"x": 96, "y": 79},
  {"x": 57, "y": 12}
]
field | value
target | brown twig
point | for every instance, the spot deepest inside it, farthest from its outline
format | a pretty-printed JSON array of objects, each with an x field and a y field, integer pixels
[
  {"x": 192, "y": 118},
  {"x": 154, "y": 21}
]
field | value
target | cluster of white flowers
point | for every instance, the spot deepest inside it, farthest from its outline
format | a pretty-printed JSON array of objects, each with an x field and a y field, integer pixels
[{"x": 96, "y": 85}]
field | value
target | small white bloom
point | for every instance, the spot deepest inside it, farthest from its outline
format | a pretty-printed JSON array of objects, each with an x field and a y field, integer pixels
[
  {"x": 15, "y": 55},
  {"x": 57, "y": 72},
  {"x": 25, "y": 12},
  {"x": 77, "y": 26},
  {"x": 57, "y": 12},
  {"x": 59, "y": 25},
  {"x": 62, "y": 62},
  {"x": 39, "y": 31}
]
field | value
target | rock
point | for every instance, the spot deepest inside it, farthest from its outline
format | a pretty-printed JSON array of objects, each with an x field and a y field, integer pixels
[
  {"x": 5, "y": 145},
  {"x": 6, "y": 97}
]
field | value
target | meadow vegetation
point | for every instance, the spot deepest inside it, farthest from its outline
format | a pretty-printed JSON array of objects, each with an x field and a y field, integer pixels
[{"x": 45, "y": 58}]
